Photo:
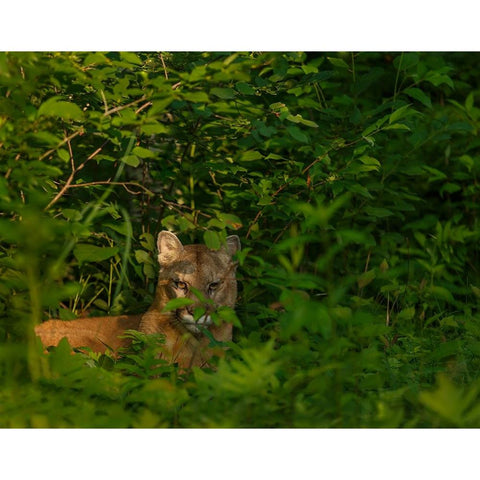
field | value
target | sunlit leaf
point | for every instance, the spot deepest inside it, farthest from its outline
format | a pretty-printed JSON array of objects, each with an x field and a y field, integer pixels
[
  {"x": 85, "y": 252},
  {"x": 55, "y": 107}
]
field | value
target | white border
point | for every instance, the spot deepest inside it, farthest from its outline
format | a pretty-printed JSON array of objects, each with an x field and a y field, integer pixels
[
  {"x": 239, "y": 454},
  {"x": 251, "y": 25}
]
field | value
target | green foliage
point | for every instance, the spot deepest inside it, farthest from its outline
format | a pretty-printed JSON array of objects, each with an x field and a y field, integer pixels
[{"x": 352, "y": 180}]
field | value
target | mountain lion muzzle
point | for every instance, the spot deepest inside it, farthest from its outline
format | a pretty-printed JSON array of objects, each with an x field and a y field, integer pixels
[{"x": 194, "y": 272}]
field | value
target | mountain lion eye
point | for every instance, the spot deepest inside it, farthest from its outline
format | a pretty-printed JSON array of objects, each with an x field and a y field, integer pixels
[
  {"x": 180, "y": 285},
  {"x": 213, "y": 286}
]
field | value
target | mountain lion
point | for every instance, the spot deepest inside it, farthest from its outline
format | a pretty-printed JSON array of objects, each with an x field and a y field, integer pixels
[{"x": 204, "y": 276}]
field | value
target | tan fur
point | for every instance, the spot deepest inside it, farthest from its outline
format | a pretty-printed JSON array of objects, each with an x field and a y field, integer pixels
[{"x": 183, "y": 269}]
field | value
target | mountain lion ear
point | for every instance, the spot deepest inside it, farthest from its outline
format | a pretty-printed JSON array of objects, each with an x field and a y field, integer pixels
[
  {"x": 169, "y": 247},
  {"x": 233, "y": 244}
]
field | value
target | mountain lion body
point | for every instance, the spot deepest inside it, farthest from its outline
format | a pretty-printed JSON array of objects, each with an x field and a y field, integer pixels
[{"x": 190, "y": 271}]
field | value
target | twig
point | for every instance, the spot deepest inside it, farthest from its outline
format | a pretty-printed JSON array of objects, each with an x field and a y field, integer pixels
[
  {"x": 164, "y": 66},
  {"x": 319, "y": 159},
  {"x": 104, "y": 101},
  {"x": 367, "y": 263},
  {"x": 284, "y": 229},
  {"x": 125, "y": 185},
  {"x": 70, "y": 178},
  {"x": 145, "y": 105},
  {"x": 259, "y": 213},
  {"x": 193, "y": 210},
  {"x": 63, "y": 142},
  {"x": 387, "y": 321},
  {"x": 9, "y": 171},
  {"x": 122, "y": 107}
]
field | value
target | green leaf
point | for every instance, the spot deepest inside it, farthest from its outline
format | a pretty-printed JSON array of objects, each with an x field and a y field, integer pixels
[
  {"x": 160, "y": 105},
  {"x": 143, "y": 152},
  {"x": 265, "y": 200},
  {"x": 212, "y": 240},
  {"x": 245, "y": 88},
  {"x": 435, "y": 174},
  {"x": 469, "y": 102},
  {"x": 63, "y": 154},
  {"x": 84, "y": 252},
  {"x": 153, "y": 129},
  {"x": 406, "y": 313},
  {"x": 372, "y": 128},
  {"x": 230, "y": 220},
  {"x": 439, "y": 78},
  {"x": 121, "y": 228},
  {"x": 441, "y": 293},
  {"x": 196, "y": 97},
  {"x": 297, "y": 134},
  {"x": 143, "y": 257},
  {"x": 148, "y": 270},
  {"x": 447, "y": 400},
  {"x": 251, "y": 155},
  {"x": 95, "y": 57},
  {"x": 361, "y": 190},
  {"x": 366, "y": 160},
  {"x": 228, "y": 315},
  {"x": 400, "y": 113},
  {"x": 419, "y": 95},
  {"x": 131, "y": 160},
  {"x": 475, "y": 290},
  {"x": 397, "y": 126},
  {"x": 147, "y": 241},
  {"x": 365, "y": 278},
  {"x": 338, "y": 62},
  {"x": 223, "y": 93},
  {"x": 54, "y": 107},
  {"x": 101, "y": 304},
  {"x": 378, "y": 212},
  {"x": 47, "y": 138},
  {"x": 369, "y": 140},
  {"x": 177, "y": 303},
  {"x": 131, "y": 58},
  {"x": 299, "y": 119}
]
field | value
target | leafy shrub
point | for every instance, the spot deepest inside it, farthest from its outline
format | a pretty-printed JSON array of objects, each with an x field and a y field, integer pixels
[{"x": 352, "y": 181}]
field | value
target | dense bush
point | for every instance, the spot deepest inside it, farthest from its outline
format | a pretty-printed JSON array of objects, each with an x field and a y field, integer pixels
[{"x": 352, "y": 180}]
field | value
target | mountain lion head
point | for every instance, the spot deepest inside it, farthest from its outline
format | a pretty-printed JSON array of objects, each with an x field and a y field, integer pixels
[{"x": 205, "y": 276}]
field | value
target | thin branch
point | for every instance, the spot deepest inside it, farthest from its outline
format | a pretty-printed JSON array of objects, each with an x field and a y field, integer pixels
[
  {"x": 284, "y": 229},
  {"x": 367, "y": 263},
  {"x": 259, "y": 213},
  {"x": 63, "y": 142},
  {"x": 122, "y": 107},
  {"x": 96, "y": 152},
  {"x": 164, "y": 66},
  {"x": 62, "y": 191},
  {"x": 145, "y": 105},
  {"x": 70, "y": 178},
  {"x": 387, "y": 321},
  {"x": 104, "y": 101},
  {"x": 178, "y": 206},
  {"x": 70, "y": 151},
  {"x": 319, "y": 159},
  {"x": 109, "y": 182}
]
